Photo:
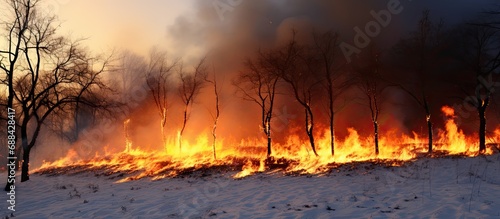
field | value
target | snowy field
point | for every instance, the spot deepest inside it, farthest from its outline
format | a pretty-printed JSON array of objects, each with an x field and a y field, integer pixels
[{"x": 427, "y": 188}]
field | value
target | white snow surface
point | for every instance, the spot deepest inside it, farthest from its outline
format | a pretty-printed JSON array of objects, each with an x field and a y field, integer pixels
[{"x": 426, "y": 188}]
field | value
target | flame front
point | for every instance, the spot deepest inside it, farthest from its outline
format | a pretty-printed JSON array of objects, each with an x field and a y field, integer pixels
[
  {"x": 293, "y": 156},
  {"x": 249, "y": 168}
]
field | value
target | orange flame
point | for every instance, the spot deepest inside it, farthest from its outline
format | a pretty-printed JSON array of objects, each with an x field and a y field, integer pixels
[
  {"x": 293, "y": 156},
  {"x": 249, "y": 168},
  {"x": 448, "y": 111}
]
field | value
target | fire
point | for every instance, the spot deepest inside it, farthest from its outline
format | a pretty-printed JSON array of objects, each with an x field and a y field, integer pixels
[
  {"x": 448, "y": 111},
  {"x": 128, "y": 142},
  {"x": 249, "y": 168},
  {"x": 454, "y": 138},
  {"x": 248, "y": 156}
]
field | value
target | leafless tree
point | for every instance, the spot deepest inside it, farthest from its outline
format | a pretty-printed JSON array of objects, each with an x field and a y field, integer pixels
[
  {"x": 216, "y": 114},
  {"x": 51, "y": 74},
  {"x": 326, "y": 48},
  {"x": 190, "y": 86},
  {"x": 299, "y": 69},
  {"x": 367, "y": 70},
  {"x": 158, "y": 79},
  {"x": 480, "y": 56},
  {"x": 420, "y": 53},
  {"x": 20, "y": 14},
  {"x": 257, "y": 84}
]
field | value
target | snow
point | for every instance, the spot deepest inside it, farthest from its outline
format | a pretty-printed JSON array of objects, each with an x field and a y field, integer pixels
[{"x": 426, "y": 188}]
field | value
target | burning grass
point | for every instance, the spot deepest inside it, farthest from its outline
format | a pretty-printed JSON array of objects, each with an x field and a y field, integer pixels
[
  {"x": 292, "y": 158},
  {"x": 127, "y": 169}
]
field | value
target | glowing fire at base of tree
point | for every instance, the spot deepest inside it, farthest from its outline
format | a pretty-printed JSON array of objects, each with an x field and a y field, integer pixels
[{"x": 293, "y": 157}]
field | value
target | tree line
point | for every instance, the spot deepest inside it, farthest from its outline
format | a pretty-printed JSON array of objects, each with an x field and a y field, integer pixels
[{"x": 54, "y": 83}]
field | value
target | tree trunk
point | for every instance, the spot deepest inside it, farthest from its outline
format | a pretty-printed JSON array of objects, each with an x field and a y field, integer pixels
[
  {"x": 332, "y": 140},
  {"x": 311, "y": 140},
  {"x": 332, "y": 132},
  {"x": 268, "y": 146},
  {"x": 332, "y": 114},
  {"x": 183, "y": 127},
  {"x": 482, "y": 129},
  {"x": 429, "y": 127},
  {"x": 268, "y": 133},
  {"x": 213, "y": 146},
  {"x": 429, "y": 123},
  {"x": 163, "y": 136},
  {"x": 214, "y": 135},
  {"x": 26, "y": 163},
  {"x": 163, "y": 123},
  {"x": 375, "y": 126},
  {"x": 310, "y": 128}
]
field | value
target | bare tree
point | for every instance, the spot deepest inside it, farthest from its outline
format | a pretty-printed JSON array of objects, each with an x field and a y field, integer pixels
[
  {"x": 216, "y": 115},
  {"x": 421, "y": 53},
  {"x": 190, "y": 85},
  {"x": 258, "y": 85},
  {"x": 367, "y": 70},
  {"x": 158, "y": 75},
  {"x": 299, "y": 69},
  {"x": 480, "y": 56},
  {"x": 326, "y": 48},
  {"x": 20, "y": 15},
  {"x": 52, "y": 74}
]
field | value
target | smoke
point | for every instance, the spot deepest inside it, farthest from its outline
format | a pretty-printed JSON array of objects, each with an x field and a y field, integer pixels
[{"x": 228, "y": 32}]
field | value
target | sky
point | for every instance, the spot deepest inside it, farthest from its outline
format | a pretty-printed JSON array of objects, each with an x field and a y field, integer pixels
[
  {"x": 179, "y": 26},
  {"x": 117, "y": 24}
]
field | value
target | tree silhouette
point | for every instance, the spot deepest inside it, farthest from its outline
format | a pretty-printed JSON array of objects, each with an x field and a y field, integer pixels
[
  {"x": 257, "y": 84},
  {"x": 479, "y": 54},
  {"x": 216, "y": 114},
  {"x": 420, "y": 54},
  {"x": 47, "y": 74},
  {"x": 326, "y": 48},
  {"x": 299, "y": 69},
  {"x": 190, "y": 86},
  {"x": 158, "y": 80},
  {"x": 367, "y": 69}
]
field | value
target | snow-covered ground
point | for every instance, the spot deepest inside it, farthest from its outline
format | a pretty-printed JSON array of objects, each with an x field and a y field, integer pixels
[{"x": 427, "y": 188}]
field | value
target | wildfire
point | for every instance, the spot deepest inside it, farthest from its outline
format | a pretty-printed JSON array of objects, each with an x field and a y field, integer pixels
[
  {"x": 249, "y": 155},
  {"x": 249, "y": 168},
  {"x": 454, "y": 139},
  {"x": 448, "y": 111}
]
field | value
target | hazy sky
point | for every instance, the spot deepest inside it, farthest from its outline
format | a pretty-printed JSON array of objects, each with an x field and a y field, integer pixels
[
  {"x": 184, "y": 25},
  {"x": 130, "y": 24}
]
